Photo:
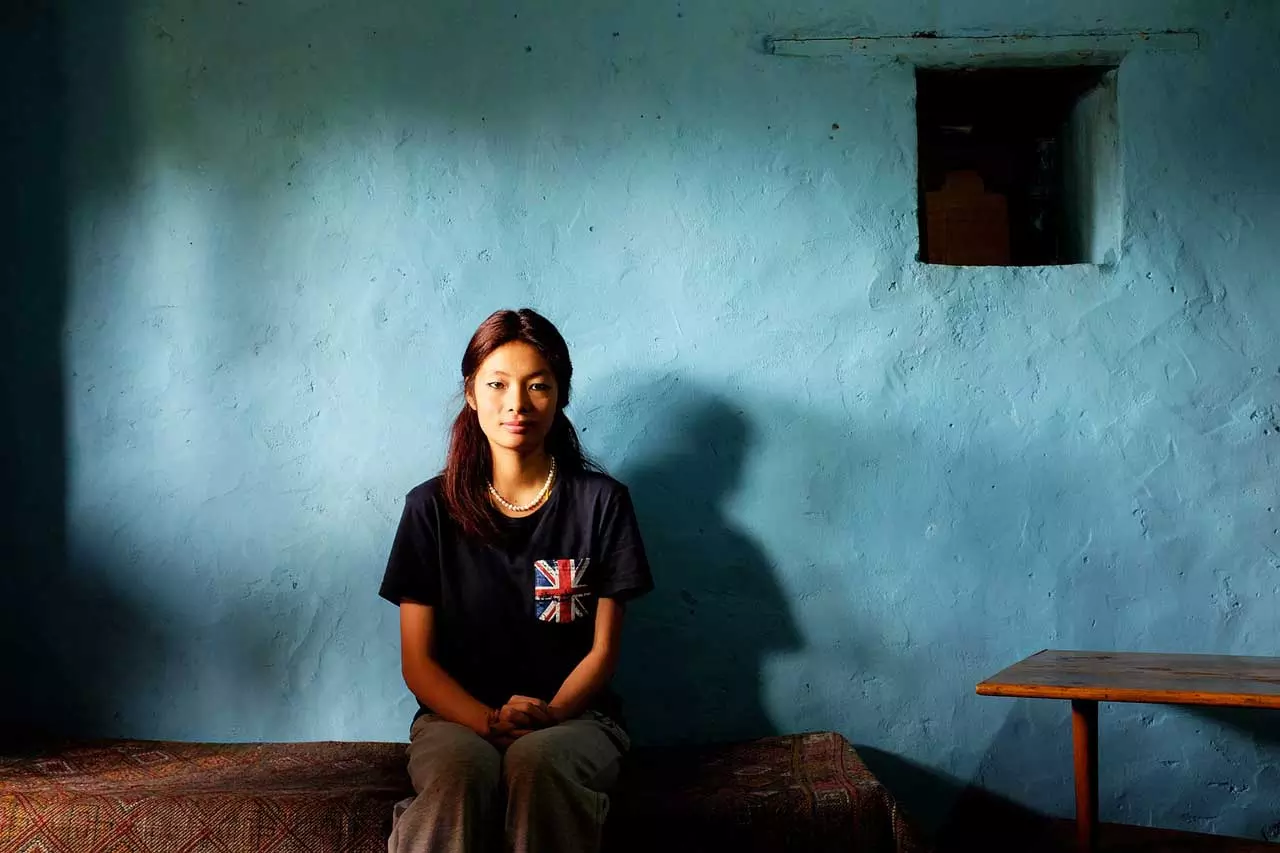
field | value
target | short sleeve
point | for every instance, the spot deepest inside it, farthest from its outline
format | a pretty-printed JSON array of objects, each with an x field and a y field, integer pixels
[
  {"x": 623, "y": 572},
  {"x": 413, "y": 569}
]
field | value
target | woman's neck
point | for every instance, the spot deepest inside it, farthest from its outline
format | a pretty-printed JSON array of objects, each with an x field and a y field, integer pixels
[{"x": 519, "y": 477}]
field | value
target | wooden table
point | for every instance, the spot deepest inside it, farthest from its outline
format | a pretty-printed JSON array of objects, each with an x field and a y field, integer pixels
[{"x": 1087, "y": 678}]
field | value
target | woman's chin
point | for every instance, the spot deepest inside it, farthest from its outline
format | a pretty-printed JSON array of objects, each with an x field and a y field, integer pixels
[{"x": 518, "y": 442}]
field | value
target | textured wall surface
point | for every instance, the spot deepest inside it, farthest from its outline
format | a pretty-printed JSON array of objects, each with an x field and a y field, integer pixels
[{"x": 867, "y": 483}]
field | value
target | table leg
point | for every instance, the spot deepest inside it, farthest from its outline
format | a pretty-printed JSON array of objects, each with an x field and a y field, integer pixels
[{"x": 1084, "y": 731}]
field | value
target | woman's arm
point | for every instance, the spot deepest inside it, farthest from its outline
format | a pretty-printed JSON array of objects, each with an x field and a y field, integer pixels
[
  {"x": 594, "y": 671},
  {"x": 428, "y": 681}
]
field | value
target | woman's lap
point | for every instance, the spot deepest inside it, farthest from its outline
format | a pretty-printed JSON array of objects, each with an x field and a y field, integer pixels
[{"x": 588, "y": 749}]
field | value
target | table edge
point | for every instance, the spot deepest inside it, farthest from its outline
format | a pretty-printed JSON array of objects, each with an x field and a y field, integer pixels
[{"x": 1130, "y": 694}]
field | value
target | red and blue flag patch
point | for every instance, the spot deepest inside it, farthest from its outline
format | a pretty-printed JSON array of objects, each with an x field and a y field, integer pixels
[{"x": 560, "y": 592}]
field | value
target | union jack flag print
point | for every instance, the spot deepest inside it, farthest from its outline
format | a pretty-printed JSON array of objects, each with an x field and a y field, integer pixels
[{"x": 559, "y": 593}]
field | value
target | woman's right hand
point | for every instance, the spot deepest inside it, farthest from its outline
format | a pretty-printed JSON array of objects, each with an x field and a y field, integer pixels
[
  {"x": 502, "y": 733},
  {"x": 520, "y": 716},
  {"x": 526, "y": 712}
]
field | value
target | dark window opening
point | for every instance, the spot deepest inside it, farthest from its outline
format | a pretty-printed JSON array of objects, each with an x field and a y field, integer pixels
[{"x": 1017, "y": 166}]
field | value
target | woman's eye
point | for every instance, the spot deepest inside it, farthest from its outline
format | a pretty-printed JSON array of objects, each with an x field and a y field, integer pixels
[
  {"x": 497, "y": 386},
  {"x": 540, "y": 386}
]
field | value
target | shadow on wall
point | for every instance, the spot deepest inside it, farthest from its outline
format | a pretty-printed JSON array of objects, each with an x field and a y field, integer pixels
[
  {"x": 35, "y": 275},
  {"x": 696, "y": 645},
  {"x": 64, "y": 630},
  {"x": 956, "y": 816},
  {"x": 1256, "y": 724}
]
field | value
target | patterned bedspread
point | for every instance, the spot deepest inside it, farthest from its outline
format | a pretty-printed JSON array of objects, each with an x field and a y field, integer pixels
[
  {"x": 162, "y": 797},
  {"x": 806, "y": 792}
]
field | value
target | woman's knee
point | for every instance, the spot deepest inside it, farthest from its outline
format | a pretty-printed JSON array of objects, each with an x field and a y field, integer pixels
[
  {"x": 445, "y": 756},
  {"x": 536, "y": 758}
]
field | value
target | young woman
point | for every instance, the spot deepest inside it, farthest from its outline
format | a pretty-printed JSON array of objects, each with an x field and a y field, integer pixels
[{"x": 512, "y": 570}]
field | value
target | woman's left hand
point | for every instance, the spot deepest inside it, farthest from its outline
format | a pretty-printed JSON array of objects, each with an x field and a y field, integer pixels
[{"x": 526, "y": 712}]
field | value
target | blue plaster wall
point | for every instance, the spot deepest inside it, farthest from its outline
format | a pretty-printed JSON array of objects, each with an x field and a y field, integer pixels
[{"x": 867, "y": 483}]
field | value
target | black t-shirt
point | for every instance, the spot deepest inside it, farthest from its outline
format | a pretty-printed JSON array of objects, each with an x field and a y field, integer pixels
[{"x": 516, "y": 616}]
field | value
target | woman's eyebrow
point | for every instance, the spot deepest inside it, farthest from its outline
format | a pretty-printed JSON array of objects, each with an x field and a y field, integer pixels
[{"x": 540, "y": 374}]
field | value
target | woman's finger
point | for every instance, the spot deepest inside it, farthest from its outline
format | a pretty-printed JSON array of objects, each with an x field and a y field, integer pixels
[
  {"x": 534, "y": 710},
  {"x": 514, "y": 716}
]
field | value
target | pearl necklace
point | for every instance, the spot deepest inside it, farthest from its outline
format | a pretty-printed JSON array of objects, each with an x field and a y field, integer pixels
[{"x": 542, "y": 495}]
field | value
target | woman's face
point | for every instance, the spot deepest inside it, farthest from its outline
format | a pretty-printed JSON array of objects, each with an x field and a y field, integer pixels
[{"x": 514, "y": 396}]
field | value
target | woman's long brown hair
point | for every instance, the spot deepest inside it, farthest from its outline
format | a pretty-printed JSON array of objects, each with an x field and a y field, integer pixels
[{"x": 469, "y": 465}]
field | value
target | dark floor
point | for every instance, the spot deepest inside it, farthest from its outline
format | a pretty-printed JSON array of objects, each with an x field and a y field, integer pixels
[
  {"x": 984, "y": 823},
  {"x": 1060, "y": 837}
]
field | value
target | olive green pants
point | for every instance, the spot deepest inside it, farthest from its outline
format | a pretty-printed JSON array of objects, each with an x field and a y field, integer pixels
[{"x": 545, "y": 794}]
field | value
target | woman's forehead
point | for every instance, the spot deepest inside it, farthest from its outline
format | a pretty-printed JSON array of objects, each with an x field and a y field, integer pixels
[{"x": 516, "y": 358}]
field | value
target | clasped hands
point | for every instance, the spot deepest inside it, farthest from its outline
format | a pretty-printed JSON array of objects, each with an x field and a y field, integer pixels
[{"x": 520, "y": 716}]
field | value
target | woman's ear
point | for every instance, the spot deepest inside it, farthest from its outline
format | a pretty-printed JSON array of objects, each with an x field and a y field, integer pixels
[{"x": 469, "y": 395}]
